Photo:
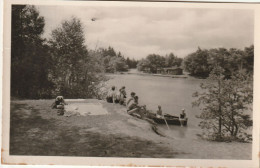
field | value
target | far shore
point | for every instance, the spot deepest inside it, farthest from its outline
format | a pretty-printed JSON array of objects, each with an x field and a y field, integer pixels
[{"x": 136, "y": 72}]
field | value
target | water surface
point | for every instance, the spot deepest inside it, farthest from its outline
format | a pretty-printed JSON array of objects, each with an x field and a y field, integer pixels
[{"x": 173, "y": 94}]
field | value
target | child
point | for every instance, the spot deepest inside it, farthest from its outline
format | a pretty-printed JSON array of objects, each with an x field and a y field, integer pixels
[{"x": 59, "y": 103}]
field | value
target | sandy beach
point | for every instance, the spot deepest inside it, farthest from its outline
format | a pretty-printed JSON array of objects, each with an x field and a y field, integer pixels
[{"x": 36, "y": 129}]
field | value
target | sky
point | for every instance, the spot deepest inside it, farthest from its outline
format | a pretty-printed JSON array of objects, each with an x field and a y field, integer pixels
[{"x": 139, "y": 31}]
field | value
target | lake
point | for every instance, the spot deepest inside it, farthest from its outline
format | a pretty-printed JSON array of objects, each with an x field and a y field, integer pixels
[{"x": 173, "y": 94}]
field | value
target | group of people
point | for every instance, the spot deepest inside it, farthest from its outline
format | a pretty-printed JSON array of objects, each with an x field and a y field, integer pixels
[
  {"x": 132, "y": 104},
  {"x": 114, "y": 96},
  {"x": 119, "y": 96}
]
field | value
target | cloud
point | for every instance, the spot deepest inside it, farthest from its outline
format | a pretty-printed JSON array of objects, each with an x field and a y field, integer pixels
[{"x": 139, "y": 31}]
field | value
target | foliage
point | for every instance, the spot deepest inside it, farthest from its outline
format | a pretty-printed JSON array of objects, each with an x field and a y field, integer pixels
[
  {"x": 196, "y": 63},
  {"x": 225, "y": 105},
  {"x": 155, "y": 61},
  {"x": 110, "y": 60},
  {"x": 131, "y": 63},
  {"x": 29, "y": 54},
  {"x": 201, "y": 62},
  {"x": 73, "y": 71},
  {"x": 60, "y": 66},
  {"x": 172, "y": 60},
  {"x": 143, "y": 64}
]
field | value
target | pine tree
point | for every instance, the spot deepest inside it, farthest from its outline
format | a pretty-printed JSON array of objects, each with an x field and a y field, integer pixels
[{"x": 29, "y": 56}]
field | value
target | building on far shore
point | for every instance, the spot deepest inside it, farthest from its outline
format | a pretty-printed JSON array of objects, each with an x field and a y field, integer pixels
[
  {"x": 160, "y": 71},
  {"x": 169, "y": 71},
  {"x": 173, "y": 71},
  {"x": 147, "y": 70}
]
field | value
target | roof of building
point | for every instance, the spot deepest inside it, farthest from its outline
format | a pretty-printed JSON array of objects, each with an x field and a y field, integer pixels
[{"x": 172, "y": 68}]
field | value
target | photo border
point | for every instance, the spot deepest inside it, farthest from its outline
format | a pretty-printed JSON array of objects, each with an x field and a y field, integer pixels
[{"x": 112, "y": 161}]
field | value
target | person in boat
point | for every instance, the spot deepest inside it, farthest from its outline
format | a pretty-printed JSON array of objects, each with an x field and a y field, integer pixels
[
  {"x": 111, "y": 96},
  {"x": 59, "y": 103},
  {"x": 122, "y": 95},
  {"x": 159, "y": 111},
  {"x": 134, "y": 108},
  {"x": 182, "y": 117}
]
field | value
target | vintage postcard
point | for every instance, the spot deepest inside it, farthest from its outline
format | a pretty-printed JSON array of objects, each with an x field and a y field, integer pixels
[{"x": 125, "y": 83}]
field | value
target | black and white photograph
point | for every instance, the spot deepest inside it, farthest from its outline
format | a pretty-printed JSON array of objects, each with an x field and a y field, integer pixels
[{"x": 131, "y": 81}]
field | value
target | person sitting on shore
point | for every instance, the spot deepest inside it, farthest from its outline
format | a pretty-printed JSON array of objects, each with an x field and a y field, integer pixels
[
  {"x": 123, "y": 92},
  {"x": 182, "y": 117},
  {"x": 59, "y": 103},
  {"x": 122, "y": 96},
  {"x": 134, "y": 108},
  {"x": 131, "y": 98},
  {"x": 111, "y": 96}
]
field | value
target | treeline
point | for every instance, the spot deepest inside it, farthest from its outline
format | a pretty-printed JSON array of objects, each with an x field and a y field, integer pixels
[
  {"x": 60, "y": 65},
  {"x": 155, "y": 61},
  {"x": 132, "y": 63},
  {"x": 201, "y": 62},
  {"x": 111, "y": 61}
]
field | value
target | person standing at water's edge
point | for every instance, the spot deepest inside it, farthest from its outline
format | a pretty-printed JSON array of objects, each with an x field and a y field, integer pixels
[{"x": 182, "y": 117}]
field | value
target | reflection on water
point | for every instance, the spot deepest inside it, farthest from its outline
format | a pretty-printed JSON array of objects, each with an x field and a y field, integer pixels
[{"x": 173, "y": 94}]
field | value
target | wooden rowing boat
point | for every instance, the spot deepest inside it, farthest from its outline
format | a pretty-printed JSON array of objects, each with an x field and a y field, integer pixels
[{"x": 171, "y": 119}]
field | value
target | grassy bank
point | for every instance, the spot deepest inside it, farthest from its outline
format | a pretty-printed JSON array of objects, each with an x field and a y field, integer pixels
[{"x": 36, "y": 129}]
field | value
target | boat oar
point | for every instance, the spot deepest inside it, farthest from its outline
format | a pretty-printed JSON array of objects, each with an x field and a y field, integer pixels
[{"x": 166, "y": 122}]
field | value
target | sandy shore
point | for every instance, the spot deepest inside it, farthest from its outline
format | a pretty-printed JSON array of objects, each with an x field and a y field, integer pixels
[{"x": 36, "y": 129}]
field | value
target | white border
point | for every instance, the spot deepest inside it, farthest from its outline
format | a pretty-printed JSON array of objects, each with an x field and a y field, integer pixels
[{"x": 57, "y": 160}]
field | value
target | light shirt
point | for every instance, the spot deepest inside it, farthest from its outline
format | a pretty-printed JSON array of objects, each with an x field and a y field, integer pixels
[{"x": 112, "y": 93}]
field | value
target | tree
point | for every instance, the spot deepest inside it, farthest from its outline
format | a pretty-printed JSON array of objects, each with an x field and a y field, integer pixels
[
  {"x": 248, "y": 59},
  {"x": 201, "y": 62},
  {"x": 172, "y": 60},
  {"x": 109, "y": 52},
  {"x": 143, "y": 64},
  {"x": 224, "y": 104},
  {"x": 73, "y": 72},
  {"x": 132, "y": 63},
  {"x": 197, "y": 63},
  {"x": 153, "y": 62},
  {"x": 29, "y": 54},
  {"x": 118, "y": 64}
]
